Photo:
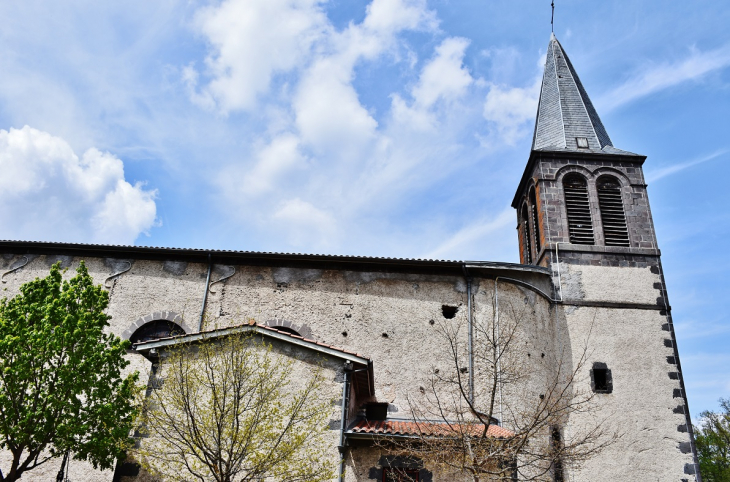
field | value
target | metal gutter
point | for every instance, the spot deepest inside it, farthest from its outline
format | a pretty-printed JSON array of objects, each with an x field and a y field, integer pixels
[
  {"x": 205, "y": 295},
  {"x": 343, "y": 421},
  {"x": 253, "y": 258}
]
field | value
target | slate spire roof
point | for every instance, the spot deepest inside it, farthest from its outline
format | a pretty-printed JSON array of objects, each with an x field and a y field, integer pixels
[{"x": 566, "y": 118}]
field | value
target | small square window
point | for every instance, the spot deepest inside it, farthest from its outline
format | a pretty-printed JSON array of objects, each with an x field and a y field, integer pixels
[
  {"x": 601, "y": 379},
  {"x": 582, "y": 142},
  {"x": 376, "y": 411}
]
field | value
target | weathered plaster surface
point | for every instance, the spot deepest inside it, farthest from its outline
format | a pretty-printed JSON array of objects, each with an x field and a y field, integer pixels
[
  {"x": 606, "y": 283},
  {"x": 642, "y": 407}
]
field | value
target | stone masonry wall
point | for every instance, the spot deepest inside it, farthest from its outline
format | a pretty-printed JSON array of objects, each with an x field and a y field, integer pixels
[
  {"x": 393, "y": 318},
  {"x": 618, "y": 306},
  {"x": 548, "y": 178}
]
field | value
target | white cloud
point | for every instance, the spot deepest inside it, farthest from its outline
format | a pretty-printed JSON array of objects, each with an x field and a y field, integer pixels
[
  {"x": 275, "y": 159},
  {"x": 329, "y": 115},
  {"x": 445, "y": 76},
  {"x": 48, "y": 193},
  {"x": 698, "y": 328},
  {"x": 390, "y": 16},
  {"x": 329, "y": 161},
  {"x": 305, "y": 224},
  {"x": 659, "y": 77},
  {"x": 511, "y": 110},
  {"x": 484, "y": 232},
  {"x": 657, "y": 174},
  {"x": 251, "y": 40}
]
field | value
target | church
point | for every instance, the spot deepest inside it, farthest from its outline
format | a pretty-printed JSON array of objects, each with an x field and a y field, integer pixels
[{"x": 589, "y": 291}]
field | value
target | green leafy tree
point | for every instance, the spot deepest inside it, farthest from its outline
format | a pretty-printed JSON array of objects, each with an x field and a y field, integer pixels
[
  {"x": 61, "y": 388},
  {"x": 229, "y": 410},
  {"x": 712, "y": 438}
]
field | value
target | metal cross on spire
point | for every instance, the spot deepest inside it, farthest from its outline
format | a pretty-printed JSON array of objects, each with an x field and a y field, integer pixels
[{"x": 552, "y": 16}]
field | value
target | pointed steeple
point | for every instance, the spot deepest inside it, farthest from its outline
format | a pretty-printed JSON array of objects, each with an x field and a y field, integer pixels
[{"x": 566, "y": 118}]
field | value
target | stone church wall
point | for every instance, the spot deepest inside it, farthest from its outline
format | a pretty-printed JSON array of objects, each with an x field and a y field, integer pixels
[{"x": 391, "y": 317}]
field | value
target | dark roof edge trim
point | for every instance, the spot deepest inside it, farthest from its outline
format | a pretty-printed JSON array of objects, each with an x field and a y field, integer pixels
[
  {"x": 245, "y": 257},
  {"x": 588, "y": 156}
]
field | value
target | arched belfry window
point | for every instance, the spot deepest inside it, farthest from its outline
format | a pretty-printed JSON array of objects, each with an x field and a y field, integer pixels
[
  {"x": 578, "y": 208},
  {"x": 526, "y": 236},
  {"x": 613, "y": 217},
  {"x": 535, "y": 223}
]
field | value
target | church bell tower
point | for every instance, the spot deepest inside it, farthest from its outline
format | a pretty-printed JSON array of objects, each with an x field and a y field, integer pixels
[{"x": 583, "y": 212}]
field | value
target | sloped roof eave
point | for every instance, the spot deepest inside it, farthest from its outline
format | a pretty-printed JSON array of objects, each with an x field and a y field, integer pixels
[
  {"x": 261, "y": 258},
  {"x": 355, "y": 358},
  {"x": 392, "y": 428}
]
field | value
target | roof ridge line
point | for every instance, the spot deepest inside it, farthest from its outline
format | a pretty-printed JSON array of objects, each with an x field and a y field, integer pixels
[
  {"x": 557, "y": 86},
  {"x": 580, "y": 96}
]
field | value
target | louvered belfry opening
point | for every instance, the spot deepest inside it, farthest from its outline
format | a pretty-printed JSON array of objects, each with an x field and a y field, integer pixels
[
  {"x": 580, "y": 225},
  {"x": 526, "y": 244},
  {"x": 535, "y": 223},
  {"x": 613, "y": 217}
]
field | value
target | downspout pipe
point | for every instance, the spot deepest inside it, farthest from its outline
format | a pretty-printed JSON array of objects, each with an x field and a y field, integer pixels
[
  {"x": 343, "y": 418},
  {"x": 496, "y": 323},
  {"x": 557, "y": 263},
  {"x": 471, "y": 333},
  {"x": 205, "y": 294}
]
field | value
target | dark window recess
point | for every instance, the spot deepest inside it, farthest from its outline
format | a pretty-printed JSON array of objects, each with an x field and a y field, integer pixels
[
  {"x": 601, "y": 379},
  {"x": 535, "y": 223},
  {"x": 449, "y": 311},
  {"x": 526, "y": 243},
  {"x": 376, "y": 411},
  {"x": 155, "y": 330},
  {"x": 613, "y": 217},
  {"x": 577, "y": 206},
  {"x": 397, "y": 474},
  {"x": 581, "y": 142}
]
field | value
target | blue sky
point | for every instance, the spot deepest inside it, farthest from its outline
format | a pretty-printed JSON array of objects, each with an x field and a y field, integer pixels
[{"x": 373, "y": 127}]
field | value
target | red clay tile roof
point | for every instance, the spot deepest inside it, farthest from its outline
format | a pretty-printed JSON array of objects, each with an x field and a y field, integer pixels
[{"x": 405, "y": 428}]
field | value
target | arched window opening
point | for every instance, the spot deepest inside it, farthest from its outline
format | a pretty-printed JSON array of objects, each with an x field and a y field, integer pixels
[
  {"x": 613, "y": 217},
  {"x": 580, "y": 225},
  {"x": 535, "y": 223},
  {"x": 286, "y": 329},
  {"x": 526, "y": 245},
  {"x": 155, "y": 330}
]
